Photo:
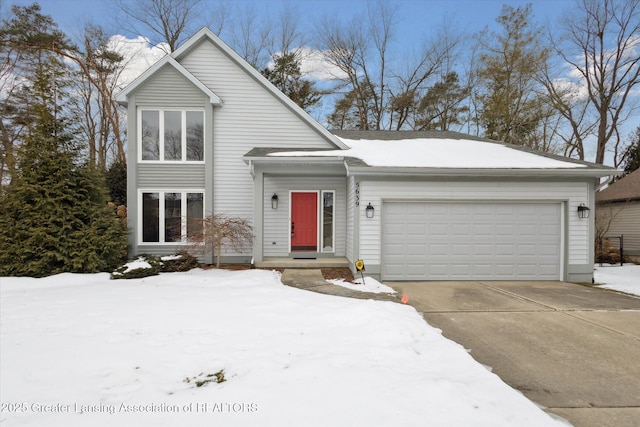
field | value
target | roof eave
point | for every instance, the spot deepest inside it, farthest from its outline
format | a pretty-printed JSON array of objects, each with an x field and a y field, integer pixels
[
  {"x": 293, "y": 159},
  {"x": 619, "y": 200},
  {"x": 539, "y": 172}
]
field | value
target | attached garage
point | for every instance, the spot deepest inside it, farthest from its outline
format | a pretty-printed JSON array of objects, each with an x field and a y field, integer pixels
[
  {"x": 423, "y": 205},
  {"x": 471, "y": 240}
]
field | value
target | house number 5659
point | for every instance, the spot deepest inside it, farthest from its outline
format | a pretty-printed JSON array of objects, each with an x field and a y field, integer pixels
[{"x": 357, "y": 194}]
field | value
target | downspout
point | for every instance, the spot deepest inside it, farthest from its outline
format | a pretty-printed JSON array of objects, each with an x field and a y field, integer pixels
[{"x": 608, "y": 181}]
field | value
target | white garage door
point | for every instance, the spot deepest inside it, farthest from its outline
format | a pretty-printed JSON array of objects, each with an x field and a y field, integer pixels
[{"x": 470, "y": 241}]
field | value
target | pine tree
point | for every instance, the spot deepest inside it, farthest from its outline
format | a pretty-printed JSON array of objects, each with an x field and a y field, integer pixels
[
  {"x": 287, "y": 77},
  {"x": 117, "y": 182},
  {"x": 512, "y": 108},
  {"x": 632, "y": 156},
  {"x": 53, "y": 215},
  {"x": 440, "y": 107}
]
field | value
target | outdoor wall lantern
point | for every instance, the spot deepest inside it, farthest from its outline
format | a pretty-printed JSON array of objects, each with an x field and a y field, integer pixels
[
  {"x": 369, "y": 210},
  {"x": 583, "y": 211},
  {"x": 274, "y": 201}
]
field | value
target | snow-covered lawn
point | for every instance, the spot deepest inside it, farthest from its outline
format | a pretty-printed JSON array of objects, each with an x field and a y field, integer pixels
[
  {"x": 624, "y": 278},
  {"x": 83, "y": 350}
]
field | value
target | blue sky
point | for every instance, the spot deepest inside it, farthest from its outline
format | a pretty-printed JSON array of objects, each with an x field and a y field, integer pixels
[{"x": 417, "y": 18}]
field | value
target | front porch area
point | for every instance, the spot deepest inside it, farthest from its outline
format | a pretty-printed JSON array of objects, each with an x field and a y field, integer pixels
[{"x": 285, "y": 262}]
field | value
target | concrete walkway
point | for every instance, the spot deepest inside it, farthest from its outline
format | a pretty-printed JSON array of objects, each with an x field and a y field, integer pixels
[
  {"x": 312, "y": 280},
  {"x": 572, "y": 349}
]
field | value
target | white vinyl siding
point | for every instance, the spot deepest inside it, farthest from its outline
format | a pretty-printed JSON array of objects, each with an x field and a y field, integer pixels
[
  {"x": 276, "y": 221},
  {"x": 170, "y": 89},
  {"x": 182, "y": 175},
  {"x": 250, "y": 117},
  {"x": 572, "y": 193}
]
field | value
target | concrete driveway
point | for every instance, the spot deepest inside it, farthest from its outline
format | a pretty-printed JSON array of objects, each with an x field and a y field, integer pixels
[{"x": 574, "y": 350}]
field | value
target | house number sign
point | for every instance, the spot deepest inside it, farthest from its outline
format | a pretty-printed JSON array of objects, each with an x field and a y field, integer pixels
[{"x": 357, "y": 194}]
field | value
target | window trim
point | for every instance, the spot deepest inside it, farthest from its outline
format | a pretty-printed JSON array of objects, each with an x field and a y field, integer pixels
[
  {"x": 161, "y": 212},
  {"x": 333, "y": 221},
  {"x": 183, "y": 140}
]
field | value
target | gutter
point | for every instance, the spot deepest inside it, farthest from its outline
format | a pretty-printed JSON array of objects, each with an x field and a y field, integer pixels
[
  {"x": 546, "y": 172},
  {"x": 293, "y": 159},
  {"x": 608, "y": 181}
]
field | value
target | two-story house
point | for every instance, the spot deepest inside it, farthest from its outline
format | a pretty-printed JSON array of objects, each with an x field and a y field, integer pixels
[{"x": 209, "y": 134}]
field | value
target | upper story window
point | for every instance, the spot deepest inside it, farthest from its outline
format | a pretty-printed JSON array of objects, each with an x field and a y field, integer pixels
[{"x": 171, "y": 135}]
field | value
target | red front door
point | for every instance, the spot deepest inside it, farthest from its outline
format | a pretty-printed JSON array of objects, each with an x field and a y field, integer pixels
[{"x": 304, "y": 222}]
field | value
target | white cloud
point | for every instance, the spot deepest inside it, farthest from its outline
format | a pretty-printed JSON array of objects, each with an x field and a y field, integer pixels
[
  {"x": 138, "y": 55},
  {"x": 572, "y": 89},
  {"x": 315, "y": 66},
  {"x": 575, "y": 79}
]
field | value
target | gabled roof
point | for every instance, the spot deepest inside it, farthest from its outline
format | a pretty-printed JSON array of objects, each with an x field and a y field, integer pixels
[
  {"x": 206, "y": 34},
  {"x": 167, "y": 61},
  {"x": 625, "y": 189}
]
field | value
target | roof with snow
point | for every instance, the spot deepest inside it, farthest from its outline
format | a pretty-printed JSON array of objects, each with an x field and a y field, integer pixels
[
  {"x": 625, "y": 189},
  {"x": 419, "y": 152}
]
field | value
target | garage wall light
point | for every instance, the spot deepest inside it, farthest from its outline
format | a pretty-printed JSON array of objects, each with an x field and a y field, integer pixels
[
  {"x": 274, "y": 201},
  {"x": 369, "y": 210},
  {"x": 583, "y": 211}
]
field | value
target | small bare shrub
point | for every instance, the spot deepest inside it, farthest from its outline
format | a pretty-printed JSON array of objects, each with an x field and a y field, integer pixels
[{"x": 218, "y": 231}]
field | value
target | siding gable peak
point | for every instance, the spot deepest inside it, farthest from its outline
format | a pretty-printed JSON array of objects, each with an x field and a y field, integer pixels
[
  {"x": 206, "y": 34},
  {"x": 167, "y": 61}
]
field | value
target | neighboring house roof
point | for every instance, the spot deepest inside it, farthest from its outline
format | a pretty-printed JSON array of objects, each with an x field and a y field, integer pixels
[
  {"x": 121, "y": 98},
  {"x": 436, "y": 152},
  {"x": 625, "y": 189}
]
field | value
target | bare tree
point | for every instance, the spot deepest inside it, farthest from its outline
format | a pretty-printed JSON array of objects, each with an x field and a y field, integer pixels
[
  {"x": 251, "y": 36},
  {"x": 100, "y": 69},
  {"x": 600, "y": 42},
  {"x": 216, "y": 231},
  {"x": 361, "y": 53},
  {"x": 606, "y": 215},
  {"x": 344, "y": 47},
  {"x": 471, "y": 79},
  {"x": 286, "y": 35},
  {"x": 435, "y": 57},
  {"x": 382, "y": 23},
  {"x": 169, "y": 21},
  {"x": 10, "y": 129},
  {"x": 573, "y": 108}
]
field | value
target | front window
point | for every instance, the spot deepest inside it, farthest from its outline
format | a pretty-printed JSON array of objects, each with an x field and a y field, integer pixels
[
  {"x": 150, "y": 217},
  {"x": 171, "y": 216},
  {"x": 150, "y": 135},
  {"x": 171, "y": 135},
  {"x": 195, "y": 211},
  {"x": 328, "y": 210}
]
